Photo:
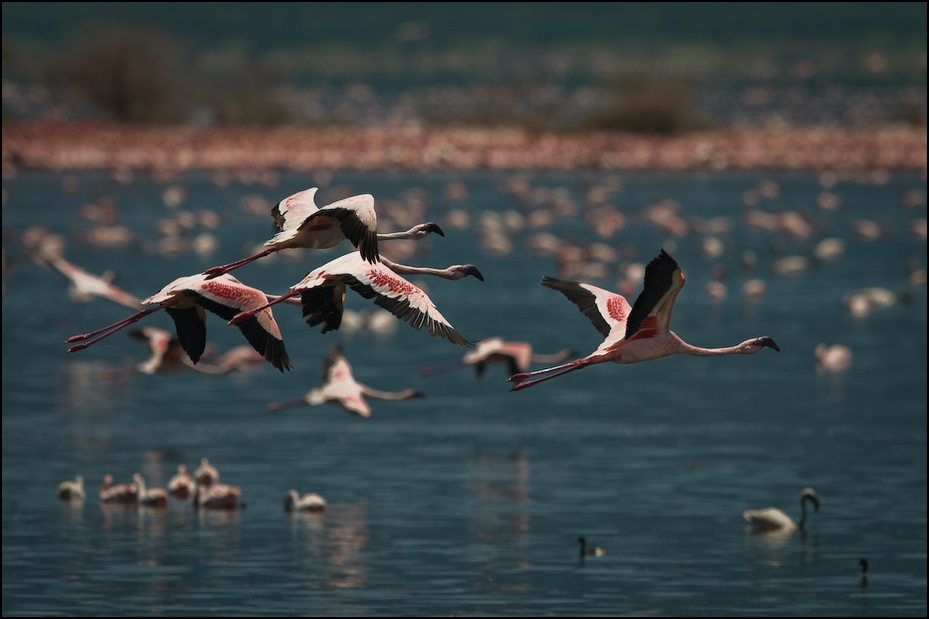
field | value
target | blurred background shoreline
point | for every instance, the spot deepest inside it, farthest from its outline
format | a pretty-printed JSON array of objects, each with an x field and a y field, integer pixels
[{"x": 456, "y": 86}]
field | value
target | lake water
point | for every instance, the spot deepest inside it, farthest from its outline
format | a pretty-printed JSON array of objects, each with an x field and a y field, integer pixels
[{"x": 470, "y": 501}]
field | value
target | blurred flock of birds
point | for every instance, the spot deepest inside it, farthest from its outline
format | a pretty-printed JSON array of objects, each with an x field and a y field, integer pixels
[{"x": 591, "y": 258}]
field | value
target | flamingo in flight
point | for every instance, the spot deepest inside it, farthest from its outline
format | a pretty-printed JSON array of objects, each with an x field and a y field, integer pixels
[
  {"x": 516, "y": 355},
  {"x": 323, "y": 290},
  {"x": 185, "y": 300},
  {"x": 637, "y": 333},
  {"x": 85, "y": 286},
  {"x": 773, "y": 519},
  {"x": 343, "y": 390},
  {"x": 301, "y": 223}
]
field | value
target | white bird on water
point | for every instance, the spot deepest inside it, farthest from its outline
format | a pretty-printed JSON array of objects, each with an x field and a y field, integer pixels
[{"x": 772, "y": 519}]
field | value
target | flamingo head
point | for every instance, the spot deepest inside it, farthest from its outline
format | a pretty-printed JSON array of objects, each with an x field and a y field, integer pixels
[
  {"x": 468, "y": 269},
  {"x": 765, "y": 341}
]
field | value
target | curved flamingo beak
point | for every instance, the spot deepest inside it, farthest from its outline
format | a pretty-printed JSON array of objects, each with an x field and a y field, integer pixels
[
  {"x": 767, "y": 341},
  {"x": 470, "y": 269},
  {"x": 433, "y": 227}
]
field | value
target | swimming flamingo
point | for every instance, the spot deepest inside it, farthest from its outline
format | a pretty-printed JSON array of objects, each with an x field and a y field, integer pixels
[
  {"x": 302, "y": 224},
  {"x": 773, "y": 519},
  {"x": 119, "y": 493},
  {"x": 516, "y": 355},
  {"x": 639, "y": 333},
  {"x": 343, "y": 390},
  {"x": 323, "y": 290},
  {"x": 217, "y": 496},
  {"x": 185, "y": 299},
  {"x": 307, "y": 503},
  {"x": 182, "y": 485},
  {"x": 206, "y": 474},
  {"x": 72, "y": 490},
  {"x": 150, "y": 497}
]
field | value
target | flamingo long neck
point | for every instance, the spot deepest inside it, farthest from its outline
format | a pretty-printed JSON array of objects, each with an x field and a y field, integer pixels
[
  {"x": 803, "y": 501},
  {"x": 402, "y": 269},
  {"x": 684, "y": 348}
]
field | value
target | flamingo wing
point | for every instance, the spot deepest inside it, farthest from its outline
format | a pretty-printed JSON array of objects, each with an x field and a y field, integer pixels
[
  {"x": 402, "y": 299},
  {"x": 292, "y": 211},
  {"x": 607, "y": 311},
  {"x": 663, "y": 282},
  {"x": 226, "y": 296},
  {"x": 190, "y": 323},
  {"x": 357, "y": 220}
]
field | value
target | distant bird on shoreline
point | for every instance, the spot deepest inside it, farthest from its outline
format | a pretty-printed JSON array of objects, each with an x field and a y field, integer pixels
[{"x": 633, "y": 334}]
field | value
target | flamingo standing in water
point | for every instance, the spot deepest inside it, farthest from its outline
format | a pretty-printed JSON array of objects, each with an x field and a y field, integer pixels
[
  {"x": 185, "y": 300},
  {"x": 306, "y": 503},
  {"x": 637, "y": 333},
  {"x": 516, "y": 355},
  {"x": 323, "y": 290},
  {"x": 303, "y": 224},
  {"x": 343, "y": 390},
  {"x": 773, "y": 519}
]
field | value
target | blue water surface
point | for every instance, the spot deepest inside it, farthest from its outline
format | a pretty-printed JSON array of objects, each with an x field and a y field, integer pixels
[{"x": 470, "y": 501}]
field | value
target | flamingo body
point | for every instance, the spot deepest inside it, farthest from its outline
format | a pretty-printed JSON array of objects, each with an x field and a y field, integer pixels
[
  {"x": 517, "y": 356},
  {"x": 150, "y": 497},
  {"x": 217, "y": 496},
  {"x": 303, "y": 224},
  {"x": 185, "y": 300},
  {"x": 72, "y": 490},
  {"x": 206, "y": 474},
  {"x": 772, "y": 519},
  {"x": 85, "y": 286},
  {"x": 343, "y": 390},
  {"x": 306, "y": 503},
  {"x": 118, "y": 493},
  {"x": 182, "y": 485},
  {"x": 636, "y": 334},
  {"x": 322, "y": 292}
]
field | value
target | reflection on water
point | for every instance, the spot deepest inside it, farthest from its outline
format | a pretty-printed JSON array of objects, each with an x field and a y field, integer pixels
[{"x": 471, "y": 499}]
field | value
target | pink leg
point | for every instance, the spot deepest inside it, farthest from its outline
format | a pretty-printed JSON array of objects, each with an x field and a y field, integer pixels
[
  {"x": 279, "y": 406},
  {"x": 248, "y": 313},
  {"x": 110, "y": 330},
  {"x": 217, "y": 271},
  {"x": 522, "y": 379}
]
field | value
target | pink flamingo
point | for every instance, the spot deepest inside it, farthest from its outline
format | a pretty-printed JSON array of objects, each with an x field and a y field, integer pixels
[
  {"x": 119, "y": 493},
  {"x": 306, "y": 503},
  {"x": 637, "y": 333},
  {"x": 85, "y": 286},
  {"x": 72, "y": 490},
  {"x": 323, "y": 290},
  {"x": 150, "y": 497},
  {"x": 773, "y": 519},
  {"x": 343, "y": 390},
  {"x": 206, "y": 474},
  {"x": 217, "y": 496},
  {"x": 494, "y": 350},
  {"x": 302, "y": 224},
  {"x": 186, "y": 298},
  {"x": 182, "y": 484}
]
